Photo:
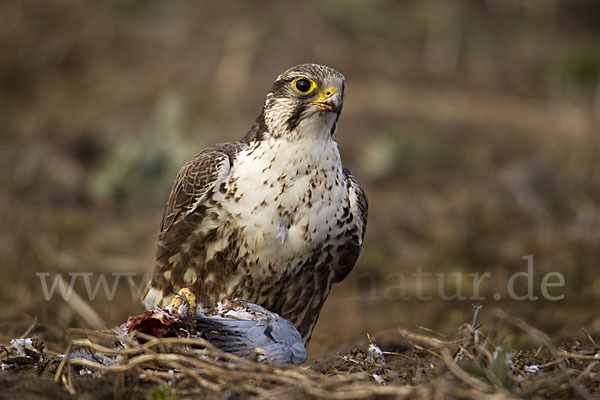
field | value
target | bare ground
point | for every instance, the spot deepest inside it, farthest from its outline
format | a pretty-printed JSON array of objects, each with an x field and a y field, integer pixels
[{"x": 472, "y": 125}]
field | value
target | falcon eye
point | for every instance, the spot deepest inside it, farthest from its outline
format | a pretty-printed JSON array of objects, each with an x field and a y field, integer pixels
[{"x": 303, "y": 85}]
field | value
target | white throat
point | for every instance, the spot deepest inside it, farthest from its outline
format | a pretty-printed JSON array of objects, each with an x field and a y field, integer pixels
[{"x": 313, "y": 123}]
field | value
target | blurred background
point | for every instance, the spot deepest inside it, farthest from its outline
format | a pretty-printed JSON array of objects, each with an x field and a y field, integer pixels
[{"x": 473, "y": 126}]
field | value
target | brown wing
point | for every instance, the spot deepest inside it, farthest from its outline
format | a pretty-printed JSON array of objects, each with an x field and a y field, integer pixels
[
  {"x": 196, "y": 178},
  {"x": 358, "y": 213},
  {"x": 183, "y": 212},
  {"x": 358, "y": 202}
]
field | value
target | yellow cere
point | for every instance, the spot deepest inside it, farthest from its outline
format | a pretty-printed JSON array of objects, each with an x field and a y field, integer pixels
[{"x": 327, "y": 93}]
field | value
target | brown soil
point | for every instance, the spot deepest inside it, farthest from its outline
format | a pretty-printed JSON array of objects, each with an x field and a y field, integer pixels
[{"x": 472, "y": 125}]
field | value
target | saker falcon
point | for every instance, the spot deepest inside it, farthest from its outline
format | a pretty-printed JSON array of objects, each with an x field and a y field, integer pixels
[{"x": 274, "y": 219}]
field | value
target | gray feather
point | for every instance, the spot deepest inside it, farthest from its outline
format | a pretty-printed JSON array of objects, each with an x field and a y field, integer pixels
[{"x": 276, "y": 337}]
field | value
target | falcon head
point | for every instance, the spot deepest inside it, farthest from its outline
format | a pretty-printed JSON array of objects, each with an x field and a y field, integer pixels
[{"x": 304, "y": 100}]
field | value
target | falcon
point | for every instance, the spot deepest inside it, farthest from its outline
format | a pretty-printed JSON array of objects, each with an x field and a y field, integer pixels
[{"x": 273, "y": 219}]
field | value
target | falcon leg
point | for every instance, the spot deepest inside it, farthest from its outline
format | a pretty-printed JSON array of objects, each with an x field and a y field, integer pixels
[{"x": 184, "y": 302}]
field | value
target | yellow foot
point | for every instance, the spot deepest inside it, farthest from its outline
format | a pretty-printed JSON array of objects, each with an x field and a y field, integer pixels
[{"x": 186, "y": 298}]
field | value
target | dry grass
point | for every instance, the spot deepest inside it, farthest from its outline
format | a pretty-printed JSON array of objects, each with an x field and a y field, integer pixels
[
  {"x": 472, "y": 125},
  {"x": 471, "y": 366}
]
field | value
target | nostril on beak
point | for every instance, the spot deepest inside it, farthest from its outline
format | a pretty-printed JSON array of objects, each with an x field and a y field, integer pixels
[{"x": 328, "y": 93}]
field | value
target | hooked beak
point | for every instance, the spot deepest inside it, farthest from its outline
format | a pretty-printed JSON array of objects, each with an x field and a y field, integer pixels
[{"x": 329, "y": 100}]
